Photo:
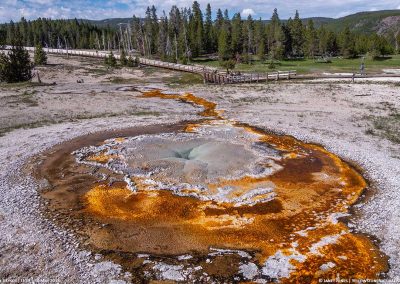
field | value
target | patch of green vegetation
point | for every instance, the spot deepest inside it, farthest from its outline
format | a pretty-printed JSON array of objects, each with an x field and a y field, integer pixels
[
  {"x": 115, "y": 114},
  {"x": 147, "y": 70},
  {"x": 184, "y": 79},
  {"x": 145, "y": 113},
  {"x": 23, "y": 85},
  {"x": 369, "y": 131},
  {"x": 36, "y": 124},
  {"x": 27, "y": 98},
  {"x": 388, "y": 126},
  {"x": 304, "y": 66},
  {"x": 120, "y": 80},
  {"x": 97, "y": 71},
  {"x": 41, "y": 123}
]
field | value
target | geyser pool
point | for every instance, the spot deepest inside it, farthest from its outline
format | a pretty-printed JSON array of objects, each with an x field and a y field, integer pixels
[{"x": 222, "y": 201}]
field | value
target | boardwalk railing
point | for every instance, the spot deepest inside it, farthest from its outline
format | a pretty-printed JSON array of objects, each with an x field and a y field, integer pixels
[
  {"x": 210, "y": 75},
  {"x": 214, "y": 75},
  {"x": 235, "y": 77}
]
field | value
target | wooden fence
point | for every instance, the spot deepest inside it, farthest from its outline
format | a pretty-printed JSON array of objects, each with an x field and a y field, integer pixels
[
  {"x": 210, "y": 75},
  {"x": 236, "y": 78},
  {"x": 214, "y": 75}
]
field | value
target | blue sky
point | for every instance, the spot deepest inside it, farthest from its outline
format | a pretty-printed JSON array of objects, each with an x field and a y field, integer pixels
[{"x": 98, "y": 9}]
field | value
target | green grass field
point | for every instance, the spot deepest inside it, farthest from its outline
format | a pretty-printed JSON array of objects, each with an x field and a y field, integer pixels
[{"x": 304, "y": 66}]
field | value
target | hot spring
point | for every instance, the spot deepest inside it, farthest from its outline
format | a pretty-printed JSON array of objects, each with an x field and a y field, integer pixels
[{"x": 212, "y": 201}]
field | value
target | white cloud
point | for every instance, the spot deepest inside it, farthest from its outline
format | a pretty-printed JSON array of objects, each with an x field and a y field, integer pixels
[
  {"x": 98, "y": 9},
  {"x": 41, "y": 2},
  {"x": 248, "y": 11},
  {"x": 342, "y": 14}
]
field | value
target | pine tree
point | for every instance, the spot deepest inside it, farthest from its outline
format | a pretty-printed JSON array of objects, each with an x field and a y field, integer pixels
[
  {"x": 174, "y": 31},
  {"x": 226, "y": 16},
  {"x": 333, "y": 47},
  {"x": 379, "y": 46},
  {"x": 311, "y": 43},
  {"x": 237, "y": 34},
  {"x": 164, "y": 41},
  {"x": 131, "y": 62},
  {"x": 110, "y": 60},
  {"x": 196, "y": 30},
  {"x": 123, "y": 60},
  {"x": 55, "y": 33},
  {"x": 209, "y": 41},
  {"x": 224, "y": 51},
  {"x": 361, "y": 44},
  {"x": 154, "y": 29},
  {"x": 347, "y": 44},
  {"x": 397, "y": 44},
  {"x": 228, "y": 64},
  {"x": 260, "y": 39},
  {"x": 287, "y": 40},
  {"x": 219, "y": 20},
  {"x": 276, "y": 37},
  {"x": 16, "y": 65},
  {"x": 149, "y": 45},
  {"x": 297, "y": 33},
  {"x": 138, "y": 36},
  {"x": 40, "y": 57},
  {"x": 323, "y": 40},
  {"x": 3, "y": 37},
  {"x": 248, "y": 38}
]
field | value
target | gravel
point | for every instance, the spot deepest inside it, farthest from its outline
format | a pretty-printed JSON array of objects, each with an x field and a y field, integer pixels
[
  {"x": 335, "y": 116},
  {"x": 32, "y": 247}
]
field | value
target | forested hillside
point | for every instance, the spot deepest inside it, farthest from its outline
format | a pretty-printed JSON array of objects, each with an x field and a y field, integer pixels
[
  {"x": 364, "y": 22},
  {"x": 367, "y": 22}
]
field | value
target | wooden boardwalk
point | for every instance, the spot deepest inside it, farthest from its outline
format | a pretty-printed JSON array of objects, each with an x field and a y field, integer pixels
[
  {"x": 209, "y": 74},
  {"x": 214, "y": 75},
  {"x": 235, "y": 78}
]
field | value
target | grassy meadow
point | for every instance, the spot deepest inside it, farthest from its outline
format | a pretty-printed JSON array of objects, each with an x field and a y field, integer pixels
[{"x": 305, "y": 66}]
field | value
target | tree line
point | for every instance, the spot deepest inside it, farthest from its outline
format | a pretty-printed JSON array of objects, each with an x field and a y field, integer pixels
[
  {"x": 187, "y": 33},
  {"x": 66, "y": 34}
]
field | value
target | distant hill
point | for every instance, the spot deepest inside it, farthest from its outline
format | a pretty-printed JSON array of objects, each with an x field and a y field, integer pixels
[
  {"x": 109, "y": 22},
  {"x": 381, "y": 22},
  {"x": 365, "y": 22},
  {"x": 318, "y": 21}
]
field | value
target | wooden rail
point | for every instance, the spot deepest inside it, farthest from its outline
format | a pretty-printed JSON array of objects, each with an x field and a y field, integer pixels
[
  {"x": 210, "y": 75},
  {"x": 236, "y": 78},
  {"x": 213, "y": 75}
]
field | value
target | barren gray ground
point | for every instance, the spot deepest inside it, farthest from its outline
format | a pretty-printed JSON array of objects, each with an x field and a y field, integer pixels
[{"x": 359, "y": 122}]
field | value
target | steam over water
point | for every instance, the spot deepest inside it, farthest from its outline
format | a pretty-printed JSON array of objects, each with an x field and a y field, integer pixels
[{"x": 192, "y": 164}]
